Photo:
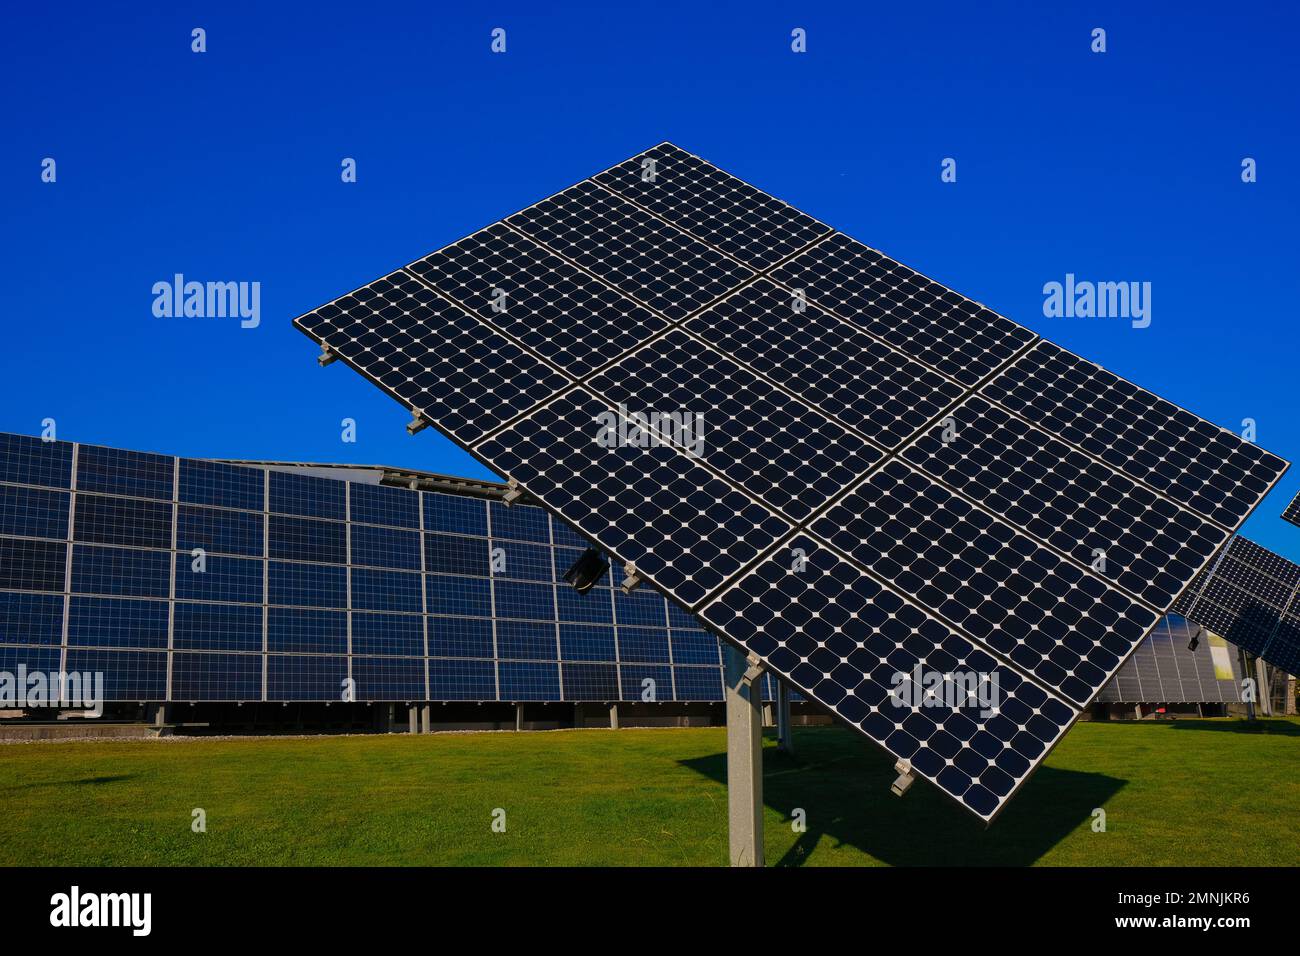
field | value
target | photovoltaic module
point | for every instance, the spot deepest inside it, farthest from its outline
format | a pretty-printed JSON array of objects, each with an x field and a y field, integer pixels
[{"x": 891, "y": 476}]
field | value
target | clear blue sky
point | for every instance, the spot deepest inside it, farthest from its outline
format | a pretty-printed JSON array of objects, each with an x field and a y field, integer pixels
[{"x": 225, "y": 166}]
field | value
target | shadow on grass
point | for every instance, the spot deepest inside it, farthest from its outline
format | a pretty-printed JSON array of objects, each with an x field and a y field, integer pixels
[
  {"x": 1267, "y": 726},
  {"x": 842, "y": 784},
  {"x": 84, "y": 781}
]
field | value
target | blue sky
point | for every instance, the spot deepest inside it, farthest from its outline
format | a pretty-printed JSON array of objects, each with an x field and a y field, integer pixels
[{"x": 1122, "y": 166}]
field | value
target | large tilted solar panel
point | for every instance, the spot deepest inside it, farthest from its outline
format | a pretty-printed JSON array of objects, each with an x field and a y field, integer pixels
[
  {"x": 891, "y": 473},
  {"x": 1251, "y": 597},
  {"x": 308, "y": 580},
  {"x": 1165, "y": 670},
  {"x": 1292, "y": 511}
]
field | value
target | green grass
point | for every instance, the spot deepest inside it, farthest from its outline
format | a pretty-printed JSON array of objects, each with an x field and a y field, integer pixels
[{"x": 1192, "y": 792}]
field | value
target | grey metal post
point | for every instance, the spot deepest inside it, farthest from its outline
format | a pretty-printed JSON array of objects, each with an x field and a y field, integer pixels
[
  {"x": 1265, "y": 688},
  {"x": 744, "y": 758},
  {"x": 613, "y": 716},
  {"x": 519, "y": 716},
  {"x": 426, "y": 719},
  {"x": 1245, "y": 671},
  {"x": 413, "y": 717},
  {"x": 160, "y": 716},
  {"x": 783, "y": 738}
]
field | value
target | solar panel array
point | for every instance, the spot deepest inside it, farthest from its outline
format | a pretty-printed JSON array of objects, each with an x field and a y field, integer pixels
[
  {"x": 1251, "y": 597},
  {"x": 308, "y": 580},
  {"x": 1292, "y": 511},
  {"x": 874, "y": 441},
  {"x": 1164, "y": 670}
]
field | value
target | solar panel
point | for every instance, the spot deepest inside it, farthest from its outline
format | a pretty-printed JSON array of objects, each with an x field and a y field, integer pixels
[
  {"x": 1251, "y": 597},
  {"x": 1165, "y": 669},
  {"x": 1292, "y": 511},
  {"x": 868, "y": 437}
]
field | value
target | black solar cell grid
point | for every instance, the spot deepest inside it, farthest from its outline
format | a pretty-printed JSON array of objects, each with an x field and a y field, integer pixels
[
  {"x": 916, "y": 315},
  {"x": 433, "y": 356},
  {"x": 688, "y": 530},
  {"x": 723, "y": 211},
  {"x": 1126, "y": 533},
  {"x": 842, "y": 638},
  {"x": 783, "y": 453},
  {"x": 555, "y": 309},
  {"x": 1292, "y": 511},
  {"x": 830, "y": 363},
  {"x": 1207, "y": 468},
  {"x": 637, "y": 253}
]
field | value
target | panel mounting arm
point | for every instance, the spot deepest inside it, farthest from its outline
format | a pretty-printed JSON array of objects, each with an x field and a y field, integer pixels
[
  {"x": 632, "y": 579},
  {"x": 513, "y": 492},
  {"x": 326, "y": 356},
  {"x": 905, "y": 778},
  {"x": 417, "y": 424}
]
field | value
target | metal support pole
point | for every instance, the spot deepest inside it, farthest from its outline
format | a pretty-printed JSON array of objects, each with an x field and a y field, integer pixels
[
  {"x": 426, "y": 719},
  {"x": 1245, "y": 672},
  {"x": 413, "y": 718},
  {"x": 1290, "y": 696},
  {"x": 1265, "y": 688},
  {"x": 744, "y": 758},
  {"x": 783, "y": 739},
  {"x": 519, "y": 716},
  {"x": 613, "y": 716}
]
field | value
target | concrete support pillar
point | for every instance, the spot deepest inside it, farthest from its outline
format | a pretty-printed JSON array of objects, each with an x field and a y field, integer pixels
[
  {"x": 519, "y": 716},
  {"x": 389, "y": 712},
  {"x": 744, "y": 695},
  {"x": 1245, "y": 672},
  {"x": 160, "y": 716},
  {"x": 613, "y": 716},
  {"x": 1290, "y": 696},
  {"x": 426, "y": 719},
  {"x": 1137, "y": 711},
  {"x": 783, "y": 739},
  {"x": 413, "y": 718}
]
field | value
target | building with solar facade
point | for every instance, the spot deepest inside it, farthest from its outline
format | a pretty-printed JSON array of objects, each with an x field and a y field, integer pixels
[
  {"x": 187, "y": 581},
  {"x": 201, "y": 582}
]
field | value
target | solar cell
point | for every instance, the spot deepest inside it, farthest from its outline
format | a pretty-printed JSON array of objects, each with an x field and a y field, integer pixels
[
  {"x": 917, "y": 316},
  {"x": 723, "y": 211},
  {"x": 553, "y": 308},
  {"x": 689, "y": 530},
  {"x": 1068, "y": 628},
  {"x": 862, "y": 382},
  {"x": 431, "y": 355},
  {"x": 1127, "y": 534},
  {"x": 1207, "y": 468},
  {"x": 638, "y": 254},
  {"x": 835, "y": 632},
  {"x": 773, "y": 446}
]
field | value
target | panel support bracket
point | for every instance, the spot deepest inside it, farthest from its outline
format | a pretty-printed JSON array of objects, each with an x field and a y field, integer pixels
[
  {"x": 905, "y": 778},
  {"x": 744, "y": 757},
  {"x": 513, "y": 492},
  {"x": 326, "y": 357},
  {"x": 417, "y": 424},
  {"x": 632, "y": 579}
]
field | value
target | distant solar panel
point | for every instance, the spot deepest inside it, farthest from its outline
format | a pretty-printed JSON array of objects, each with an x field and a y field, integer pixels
[
  {"x": 1251, "y": 597},
  {"x": 1166, "y": 669},
  {"x": 1292, "y": 512},
  {"x": 871, "y": 440}
]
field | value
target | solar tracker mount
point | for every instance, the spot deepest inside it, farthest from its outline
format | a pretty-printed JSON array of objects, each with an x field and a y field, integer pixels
[{"x": 893, "y": 479}]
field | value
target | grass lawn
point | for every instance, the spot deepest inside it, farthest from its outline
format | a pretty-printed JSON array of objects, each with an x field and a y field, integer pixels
[{"x": 1194, "y": 792}]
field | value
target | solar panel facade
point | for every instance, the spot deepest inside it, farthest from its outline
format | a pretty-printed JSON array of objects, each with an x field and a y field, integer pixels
[
  {"x": 823, "y": 369},
  {"x": 1251, "y": 597},
  {"x": 1164, "y": 670},
  {"x": 188, "y": 580}
]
